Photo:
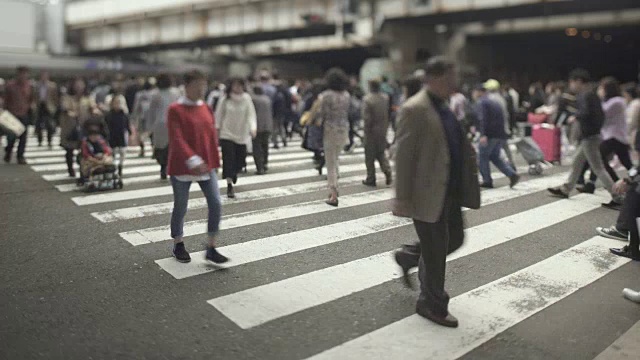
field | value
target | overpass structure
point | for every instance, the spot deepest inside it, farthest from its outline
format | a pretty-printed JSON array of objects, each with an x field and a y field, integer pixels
[{"x": 404, "y": 31}]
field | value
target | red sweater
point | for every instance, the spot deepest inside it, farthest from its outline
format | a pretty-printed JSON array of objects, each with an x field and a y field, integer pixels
[{"x": 192, "y": 131}]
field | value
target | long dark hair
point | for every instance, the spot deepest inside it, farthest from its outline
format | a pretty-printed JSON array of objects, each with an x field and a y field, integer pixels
[
  {"x": 72, "y": 87},
  {"x": 611, "y": 88},
  {"x": 232, "y": 81}
]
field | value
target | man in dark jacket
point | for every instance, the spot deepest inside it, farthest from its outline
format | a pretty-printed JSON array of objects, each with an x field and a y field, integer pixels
[
  {"x": 590, "y": 116},
  {"x": 264, "y": 118},
  {"x": 375, "y": 112},
  {"x": 493, "y": 137}
]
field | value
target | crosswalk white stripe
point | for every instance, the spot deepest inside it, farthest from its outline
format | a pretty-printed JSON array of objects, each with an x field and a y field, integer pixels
[
  {"x": 167, "y": 190},
  {"x": 35, "y": 151},
  {"x": 57, "y": 167},
  {"x": 143, "y": 236},
  {"x": 256, "y": 306},
  {"x": 488, "y": 310},
  {"x": 201, "y": 203},
  {"x": 128, "y": 170},
  {"x": 152, "y": 178},
  {"x": 131, "y": 170},
  {"x": 273, "y": 157},
  {"x": 60, "y": 153},
  {"x": 287, "y": 243},
  {"x": 162, "y": 233},
  {"x": 155, "y": 169}
]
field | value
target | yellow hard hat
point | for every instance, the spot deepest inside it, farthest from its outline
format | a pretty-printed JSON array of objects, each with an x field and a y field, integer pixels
[{"x": 492, "y": 85}]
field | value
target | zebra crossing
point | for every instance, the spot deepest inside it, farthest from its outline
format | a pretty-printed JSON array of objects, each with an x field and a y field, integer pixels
[{"x": 288, "y": 204}]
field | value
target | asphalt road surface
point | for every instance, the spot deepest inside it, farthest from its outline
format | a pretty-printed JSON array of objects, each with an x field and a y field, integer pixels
[{"x": 90, "y": 276}]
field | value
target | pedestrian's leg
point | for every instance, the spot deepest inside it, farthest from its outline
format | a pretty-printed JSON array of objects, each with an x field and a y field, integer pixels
[
  {"x": 579, "y": 162},
  {"x": 11, "y": 141},
  {"x": 212, "y": 194},
  {"x": 592, "y": 153},
  {"x": 39, "y": 126},
  {"x": 632, "y": 205},
  {"x": 622, "y": 151},
  {"x": 332, "y": 148},
  {"x": 264, "y": 143},
  {"x": 484, "y": 156},
  {"x": 607, "y": 148},
  {"x": 180, "y": 203},
  {"x": 258, "y": 156},
  {"x": 69, "y": 159},
  {"x": 507, "y": 150},
  {"x": 384, "y": 162},
  {"x": 274, "y": 134},
  {"x": 456, "y": 227},
  {"x": 494, "y": 156},
  {"x": 122, "y": 153},
  {"x": 22, "y": 146},
  {"x": 434, "y": 244},
  {"x": 51, "y": 129},
  {"x": 369, "y": 160},
  {"x": 580, "y": 180},
  {"x": 627, "y": 215}
]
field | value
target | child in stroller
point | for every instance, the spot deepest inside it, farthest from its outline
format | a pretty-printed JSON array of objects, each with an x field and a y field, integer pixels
[{"x": 96, "y": 164}]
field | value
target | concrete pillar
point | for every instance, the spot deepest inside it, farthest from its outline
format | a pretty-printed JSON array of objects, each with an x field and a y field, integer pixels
[
  {"x": 404, "y": 43},
  {"x": 55, "y": 34}
]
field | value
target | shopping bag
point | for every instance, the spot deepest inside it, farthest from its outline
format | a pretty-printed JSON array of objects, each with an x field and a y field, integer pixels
[{"x": 10, "y": 124}]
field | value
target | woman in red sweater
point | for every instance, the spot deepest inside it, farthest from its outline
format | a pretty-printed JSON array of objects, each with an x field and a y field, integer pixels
[{"x": 193, "y": 156}]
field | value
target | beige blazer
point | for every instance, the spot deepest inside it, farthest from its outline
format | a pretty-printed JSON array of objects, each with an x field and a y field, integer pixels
[{"x": 422, "y": 163}]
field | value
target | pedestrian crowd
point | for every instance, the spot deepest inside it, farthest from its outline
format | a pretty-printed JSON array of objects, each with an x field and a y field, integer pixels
[{"x": 438, "y": 134}]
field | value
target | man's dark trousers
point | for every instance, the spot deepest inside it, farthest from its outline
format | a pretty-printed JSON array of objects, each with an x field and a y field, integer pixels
[
  {"x": 11, "y": 140},
  {"x": 261, "y": 150},
  {"x": 375, "y": 150},
  {"x": 627, "y": 219},
  {"x": 44, "y": 122},
  {"x": 437, "y": 240}
]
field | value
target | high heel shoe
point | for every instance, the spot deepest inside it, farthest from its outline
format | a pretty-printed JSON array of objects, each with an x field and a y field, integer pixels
[{"x": 320, "y": 166}]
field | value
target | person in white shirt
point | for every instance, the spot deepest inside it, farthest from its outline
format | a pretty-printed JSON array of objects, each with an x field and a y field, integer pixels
[{"x": 235, "y": 120}]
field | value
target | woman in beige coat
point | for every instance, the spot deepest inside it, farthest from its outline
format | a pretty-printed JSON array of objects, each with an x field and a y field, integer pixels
[
  {"x": 334, "y": 114},
  {"x": 76, "y": 108}
]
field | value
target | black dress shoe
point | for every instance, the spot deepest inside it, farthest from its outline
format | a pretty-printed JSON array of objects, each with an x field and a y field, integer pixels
[
  {"x": 514, "y": 180},
  {"x": 389, "y": 178},
  {"x": 588, "y": 188},
  {"x": 447, "y": 321},
  {"x": 407, "y": 261},
  {"x": 22, "y": 161},
  {"x": 486, "y": 186},
  {"x": 369, "y": 183},
  {"x": 558, "y": 192},
  {"x": 626, "y": 252},
  {"x": 613, "y": 205}
]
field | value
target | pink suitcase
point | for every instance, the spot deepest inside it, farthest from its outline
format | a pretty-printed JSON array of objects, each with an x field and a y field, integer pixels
[{"x": 549, "y": 138}]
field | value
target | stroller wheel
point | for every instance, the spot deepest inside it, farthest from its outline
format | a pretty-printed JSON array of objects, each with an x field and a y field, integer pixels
[{"x": 535, "y": 169}]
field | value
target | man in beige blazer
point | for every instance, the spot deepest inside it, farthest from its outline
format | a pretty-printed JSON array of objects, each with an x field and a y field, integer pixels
[{"x": 436, "y": 175}]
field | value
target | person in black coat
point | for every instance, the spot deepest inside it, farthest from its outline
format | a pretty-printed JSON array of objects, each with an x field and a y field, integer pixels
[{"x": 119, "y": 130}]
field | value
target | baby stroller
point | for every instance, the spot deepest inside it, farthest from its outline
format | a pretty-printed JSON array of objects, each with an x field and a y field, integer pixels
[
  {"x": 100, "y": 175},
  {"x": 97, "y": 168}
]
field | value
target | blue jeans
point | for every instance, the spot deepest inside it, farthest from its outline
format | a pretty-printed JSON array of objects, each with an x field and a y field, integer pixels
[
  {"x": 181, "y": 200},
  {"x": 491, "y": 153}
]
